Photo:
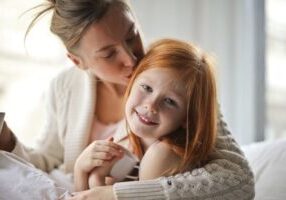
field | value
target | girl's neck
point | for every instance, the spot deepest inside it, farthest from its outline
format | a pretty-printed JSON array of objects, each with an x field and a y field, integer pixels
[{"x": 147, "y": 142}]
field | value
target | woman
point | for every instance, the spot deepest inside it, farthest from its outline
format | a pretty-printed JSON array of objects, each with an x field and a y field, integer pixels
[{"x": 85, "y": 104}]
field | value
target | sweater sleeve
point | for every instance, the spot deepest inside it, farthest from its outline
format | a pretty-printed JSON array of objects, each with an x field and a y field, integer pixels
[
  {"x": 48, "y": 153},
  {"x": 226, "y": 176}
]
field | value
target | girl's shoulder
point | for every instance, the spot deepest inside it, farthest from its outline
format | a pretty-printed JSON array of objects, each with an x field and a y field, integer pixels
[
  {"x": 160, "y": 148},
  {"x": 158, "y": 159}
]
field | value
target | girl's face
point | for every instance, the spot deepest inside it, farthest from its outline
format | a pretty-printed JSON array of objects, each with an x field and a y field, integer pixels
[
  {"x": 111, "y": 47},
  {"x": 156, "y": 105}
]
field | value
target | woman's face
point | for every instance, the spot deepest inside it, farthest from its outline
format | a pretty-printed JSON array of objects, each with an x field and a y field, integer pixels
[
  {"x": 111, "y": 47},
  {"x": 156, "y": 105}
]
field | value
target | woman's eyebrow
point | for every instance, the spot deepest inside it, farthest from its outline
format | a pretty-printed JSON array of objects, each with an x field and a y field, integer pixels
[{"x": 104, "y": 48}]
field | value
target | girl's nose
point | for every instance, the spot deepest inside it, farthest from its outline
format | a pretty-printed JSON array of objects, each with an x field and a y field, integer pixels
[{"x": 151, "y": 107}]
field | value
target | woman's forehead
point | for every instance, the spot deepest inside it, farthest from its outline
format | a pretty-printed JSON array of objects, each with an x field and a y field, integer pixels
[{"x": 110, "y": 30}]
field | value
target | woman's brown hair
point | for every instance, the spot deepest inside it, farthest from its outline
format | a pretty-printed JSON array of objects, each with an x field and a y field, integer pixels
[
  {"x": 71, "y": 18},
  {"x": 195, "y": 142}
]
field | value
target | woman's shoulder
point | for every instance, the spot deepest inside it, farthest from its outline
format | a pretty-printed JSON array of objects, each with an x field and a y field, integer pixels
[
  {"x": 67, "y": 75},
  {"x": 70, "y": 78}
]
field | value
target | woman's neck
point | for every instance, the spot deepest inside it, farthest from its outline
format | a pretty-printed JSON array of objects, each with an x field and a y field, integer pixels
[
  {"x": 113, "y": 89},
  {"x": 109, "y": 102}
]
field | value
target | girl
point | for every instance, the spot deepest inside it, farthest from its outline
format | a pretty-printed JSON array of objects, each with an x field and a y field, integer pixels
[{"x": 171, "y": 111}]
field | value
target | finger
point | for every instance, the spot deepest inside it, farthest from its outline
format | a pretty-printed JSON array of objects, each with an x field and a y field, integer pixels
[
  {"x": 108, "y": 149},
  {"x": 102, "y": 155},
  {"x": 99, "y": 163},
  {"x": 109, "y": 180},
  {"x": 106, "y": 143}
]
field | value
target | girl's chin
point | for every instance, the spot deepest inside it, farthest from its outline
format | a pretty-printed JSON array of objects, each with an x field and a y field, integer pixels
[{"x": 136, "y": 132}]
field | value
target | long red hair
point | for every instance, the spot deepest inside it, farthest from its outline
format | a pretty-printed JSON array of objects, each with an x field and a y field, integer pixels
[{"x": 195, "y": 142}]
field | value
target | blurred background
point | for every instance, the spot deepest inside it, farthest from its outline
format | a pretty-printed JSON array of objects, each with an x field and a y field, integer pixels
[{"x": 246, "y": 37}]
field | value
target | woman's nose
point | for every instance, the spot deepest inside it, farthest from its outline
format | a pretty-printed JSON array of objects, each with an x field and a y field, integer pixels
[{"x": 129, "y": 58}]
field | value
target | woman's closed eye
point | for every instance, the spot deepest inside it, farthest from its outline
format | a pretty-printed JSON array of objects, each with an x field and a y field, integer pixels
[
  {"x": 109, "y": 54},
  {"x": 146, "y": 88}
]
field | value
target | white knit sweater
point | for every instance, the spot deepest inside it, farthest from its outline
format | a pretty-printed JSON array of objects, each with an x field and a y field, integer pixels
[{"x": 70, "y": 104}]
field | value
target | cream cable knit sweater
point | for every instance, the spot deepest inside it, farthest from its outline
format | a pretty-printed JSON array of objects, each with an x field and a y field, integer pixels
[{"x": 70, "y": 104}]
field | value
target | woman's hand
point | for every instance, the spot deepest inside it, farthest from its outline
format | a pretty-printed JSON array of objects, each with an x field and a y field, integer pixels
[
  {"x": 97, "y": 193},
  {"x": 7, "y": 139}
]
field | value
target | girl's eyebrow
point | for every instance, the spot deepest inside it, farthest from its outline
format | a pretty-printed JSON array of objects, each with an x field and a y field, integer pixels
[
  {"x": 173, "y": 91},
  {"x": 130, "y": 29}
]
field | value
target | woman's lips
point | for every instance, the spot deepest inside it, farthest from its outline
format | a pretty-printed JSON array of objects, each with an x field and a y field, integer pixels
[{"x": 145, "y": 120}]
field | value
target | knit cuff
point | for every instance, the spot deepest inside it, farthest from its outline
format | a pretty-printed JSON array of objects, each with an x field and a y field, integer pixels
[{"x": 143, "y": 190}]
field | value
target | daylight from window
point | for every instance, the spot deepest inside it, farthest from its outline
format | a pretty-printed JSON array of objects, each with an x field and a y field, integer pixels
[{"x": 275, "y": 68}]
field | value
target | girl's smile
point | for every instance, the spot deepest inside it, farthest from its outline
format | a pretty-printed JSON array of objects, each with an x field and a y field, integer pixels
[{"x": 145, "y": 119}]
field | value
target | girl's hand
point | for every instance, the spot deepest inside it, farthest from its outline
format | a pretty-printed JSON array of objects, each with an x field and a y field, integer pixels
[
  {"x": 98, "y": 153},
  {"x": 100, "y": 175}
]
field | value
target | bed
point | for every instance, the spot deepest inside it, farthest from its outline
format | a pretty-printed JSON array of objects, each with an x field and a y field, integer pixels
[{"x": 268, "y": 161}]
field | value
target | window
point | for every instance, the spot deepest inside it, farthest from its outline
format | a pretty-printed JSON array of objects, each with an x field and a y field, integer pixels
[
  {"x": 276, "y": 68},
  {"x": 25, "y": 69}
]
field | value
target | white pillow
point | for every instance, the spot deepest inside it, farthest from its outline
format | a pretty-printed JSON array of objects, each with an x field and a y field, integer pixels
[{"x": 268, "y": 161}]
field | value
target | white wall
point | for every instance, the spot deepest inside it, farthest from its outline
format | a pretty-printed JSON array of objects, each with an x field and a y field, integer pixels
[{"x": 233, "y": 31}]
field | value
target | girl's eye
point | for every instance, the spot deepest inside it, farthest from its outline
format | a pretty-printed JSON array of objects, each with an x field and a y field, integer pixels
[
  {"x": 146, "y": 88},
  {"x": 170, "y": 102}
]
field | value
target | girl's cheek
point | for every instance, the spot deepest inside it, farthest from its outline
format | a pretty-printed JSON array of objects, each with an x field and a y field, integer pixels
[
  {"x": 132, "y": 100},
  {"x": 136, "y": 95}
]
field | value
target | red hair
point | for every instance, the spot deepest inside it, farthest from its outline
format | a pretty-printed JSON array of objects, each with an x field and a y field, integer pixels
[{"x": 195, "y": 142}]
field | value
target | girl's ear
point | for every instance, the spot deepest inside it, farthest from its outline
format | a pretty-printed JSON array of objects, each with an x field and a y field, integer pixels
[{"x": 77, "y": 60}]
